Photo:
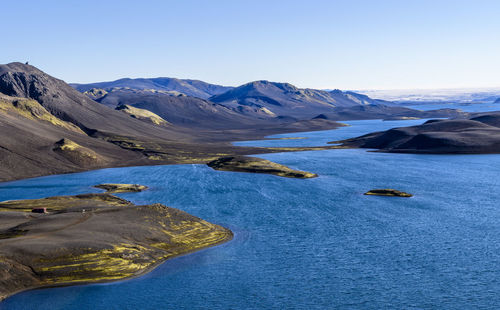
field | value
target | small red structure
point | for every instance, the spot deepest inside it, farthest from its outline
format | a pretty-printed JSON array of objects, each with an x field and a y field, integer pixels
[{"x": 39, "y": 210}]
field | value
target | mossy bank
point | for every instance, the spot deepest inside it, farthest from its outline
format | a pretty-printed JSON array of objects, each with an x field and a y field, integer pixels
[{"x": 92, "y": 238}]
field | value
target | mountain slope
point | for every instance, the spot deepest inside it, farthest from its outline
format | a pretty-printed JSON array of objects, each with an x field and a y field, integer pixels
[
  {"x": 48, "y": 127},
  {"x": 192, "y": 88},
  {"x": 67, "y": 104},
  {"x": 284, "y": 99},
  {"x": 180, "y": 110},
  {"x": 28, "y": 144}
]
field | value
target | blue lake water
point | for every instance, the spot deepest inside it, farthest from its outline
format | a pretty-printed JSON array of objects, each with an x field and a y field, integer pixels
[{"x": 310, "y": 244}]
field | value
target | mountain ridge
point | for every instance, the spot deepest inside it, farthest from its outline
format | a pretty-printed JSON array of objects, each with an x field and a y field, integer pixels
[
  {"x": 48, "y": 127},
  {"x": 190, "y": 87},
  {"x": 286, "y": 99}
]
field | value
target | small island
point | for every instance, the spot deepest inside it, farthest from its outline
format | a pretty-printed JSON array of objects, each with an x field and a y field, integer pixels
[
  {"x": 257, "y": 165},
  {"x": 388, "y": 192},
  {"x": 121, "y": 188},
  {"x": 90, "y": 238}
]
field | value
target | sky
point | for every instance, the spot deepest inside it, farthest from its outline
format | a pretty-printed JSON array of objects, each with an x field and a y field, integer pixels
[{"x": 350, "y": 44}]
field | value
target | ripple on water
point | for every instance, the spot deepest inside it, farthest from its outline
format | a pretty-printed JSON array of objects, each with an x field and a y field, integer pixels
[{"x": 316, "y": 243}]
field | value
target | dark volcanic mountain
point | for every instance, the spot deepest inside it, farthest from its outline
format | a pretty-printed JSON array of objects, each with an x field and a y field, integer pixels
[
  {"x": 255, "y": 104},
  {"x": 49, "y": 127},
  {"x": 476, "y": 135},
  {"x": 192, "y": 88},
  {"x": 180, "y": 110},
  {"x": 69, "y": 105},
  {"x": 283, "y": 99}
]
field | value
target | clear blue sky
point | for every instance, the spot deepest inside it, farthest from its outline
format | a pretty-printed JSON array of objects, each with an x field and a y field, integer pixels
[{"x": 320, "y": 44}]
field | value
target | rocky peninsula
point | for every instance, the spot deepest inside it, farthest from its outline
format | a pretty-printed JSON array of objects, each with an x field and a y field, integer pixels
[{"x": 92, "y": 238}]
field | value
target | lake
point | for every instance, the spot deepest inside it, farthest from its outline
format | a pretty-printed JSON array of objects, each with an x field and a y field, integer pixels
[{"x": 309, "y": 244}]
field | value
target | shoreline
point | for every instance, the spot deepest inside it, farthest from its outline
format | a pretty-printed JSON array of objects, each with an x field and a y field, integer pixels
[
  {"x": 228, "y": 237},
  {"x": 140, "y": 273},
  {"x": 243, "y": 150},
  {"x": 106, "y": 251}
]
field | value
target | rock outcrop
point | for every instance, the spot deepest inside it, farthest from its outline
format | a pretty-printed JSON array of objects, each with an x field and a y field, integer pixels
[
  {"x": 121, "y": 188},
  {"x": 257, "y": 165},
  {"x": 388, "y": 192}
]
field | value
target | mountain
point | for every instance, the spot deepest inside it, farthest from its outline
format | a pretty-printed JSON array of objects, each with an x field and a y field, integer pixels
[
  {"x": 192, "y": 88},
  {"x": 479, "y": 134},
  {"x": 69, "y": 105},
  {"x": 48, "y": 127},
  {"x": 179, "y": 110},
  {"x": 259, "y": 103},
  {"x": 29, "y": 143},
  {"x": 283, "y": 99}
]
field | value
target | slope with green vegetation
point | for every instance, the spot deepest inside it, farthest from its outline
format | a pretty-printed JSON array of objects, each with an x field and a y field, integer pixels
[{"x": 92, "y": 238}]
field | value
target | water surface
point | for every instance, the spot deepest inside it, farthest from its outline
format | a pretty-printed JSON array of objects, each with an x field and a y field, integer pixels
[{"x": 310, "y": 244}]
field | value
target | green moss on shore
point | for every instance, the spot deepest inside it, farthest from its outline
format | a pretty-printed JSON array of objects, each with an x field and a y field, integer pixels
[{"x": 92, "y": 238}]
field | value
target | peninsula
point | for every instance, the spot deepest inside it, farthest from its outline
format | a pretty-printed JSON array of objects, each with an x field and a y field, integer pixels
[{"x": 92, "y": 238}]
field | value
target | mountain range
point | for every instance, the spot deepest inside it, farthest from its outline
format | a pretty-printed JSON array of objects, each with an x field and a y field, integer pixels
[
  {"x": 177, "y": 109},
  {"x": 258, "y": 103},
  {"x": 50, "y": 127},
  {"x": 284, "y": 99}
]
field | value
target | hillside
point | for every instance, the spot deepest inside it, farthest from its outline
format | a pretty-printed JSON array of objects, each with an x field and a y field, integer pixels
[
  {"x": 28, "y": 146},
  {"x": 479, "y": 134},
  {"x": 181, "y": 110},
  {"x": 67, "y": 104}
]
